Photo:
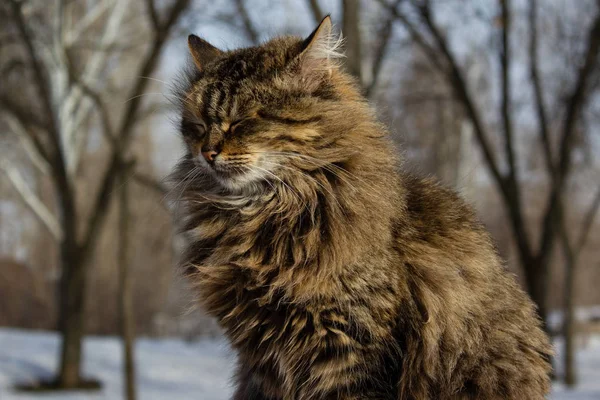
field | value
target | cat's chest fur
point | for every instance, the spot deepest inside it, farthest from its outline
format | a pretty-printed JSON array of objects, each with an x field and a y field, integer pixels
[
  {"x": 270, "y": 280},
  {"x": 288, "y": 321}
]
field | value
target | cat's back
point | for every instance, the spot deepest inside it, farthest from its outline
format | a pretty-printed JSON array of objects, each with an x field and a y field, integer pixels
[
  {"x": 476, "y": 334},
  {"x": 435, "y": 222}
]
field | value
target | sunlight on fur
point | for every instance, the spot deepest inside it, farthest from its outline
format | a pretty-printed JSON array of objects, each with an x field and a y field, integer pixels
[{"x": 334, "y": 274}]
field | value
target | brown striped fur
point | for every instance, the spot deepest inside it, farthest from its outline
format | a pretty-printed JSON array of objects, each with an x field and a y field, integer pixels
[{"x": 334, "y": 275}]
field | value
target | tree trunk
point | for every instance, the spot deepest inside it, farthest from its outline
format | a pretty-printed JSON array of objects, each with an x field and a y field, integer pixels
[
  {"x": 351, "y": 31},
  {"x": 71, "y": 315},
  {"x": 568, "y": 328},
  {"x": 571, "y": 254},
  {"x": 536, "y": 278},
  {"x": 569, "y": 325},
  {"x": 126, "y": 304},
  {"x": 536, "y": 281},
  {"x": 71, "y": 287}
]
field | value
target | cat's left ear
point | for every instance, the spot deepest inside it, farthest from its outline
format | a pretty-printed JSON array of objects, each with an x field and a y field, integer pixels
[
  {"x": 321, "y": 49},
  {"x": 202, "y": 52}
]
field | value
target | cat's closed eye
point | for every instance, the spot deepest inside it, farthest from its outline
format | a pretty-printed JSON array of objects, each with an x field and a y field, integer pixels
[
  {"x": 235, "y": 125},
  {"x": 239, "y": 126},
  {"x": 200, "y": 129},
  {"x": 194, "y": 130}
]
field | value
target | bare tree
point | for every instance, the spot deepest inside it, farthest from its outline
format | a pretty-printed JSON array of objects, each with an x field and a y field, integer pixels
[
  {"x": 249, "y": 28},
  {"x": 125, "y": 288},
  {"x": 571, "y": 251},
  {"x": 354, "y": 38},
  {"x": 66, "y": 93},
  {"x": 351, "y": 29},
  {"x": 418, "y": 20}
]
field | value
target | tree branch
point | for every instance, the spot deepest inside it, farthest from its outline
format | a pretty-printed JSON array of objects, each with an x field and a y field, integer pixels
[
  {"x": 506, "y": 97},
  {"x": 57, "y": 159},
  {"x": 24, "y": 116},
  {"x": 352, "y": 42},
  {"x": 28, "y": 121},
  {"x": 575, "y": 103},
  {"x": 385, "y": 35},
  {"x": 315, "y": 8},
  {"x": 29, "y": 142},
  {"x": 153, "y": 15},
  {"x": 537, "y": 89},
  {"x": 428, "y": 49},
  {"x": 102, "y": 111},
  {"x": 40, "y": 81},
  {"x": 461, "y": 91},
  {"x": 75, "y": 105},
  {"x": 249, "y": 27},
  {"x": 87, "y": 20},
  {"x": 578, "y": 98},
  {"x": 32, "y": 201},
  {"x": 455, "y": 77},
  {"x": 125, "y": 132},
  {"x": 150, "y": 182},
  {"x": 588, "y": 222}
]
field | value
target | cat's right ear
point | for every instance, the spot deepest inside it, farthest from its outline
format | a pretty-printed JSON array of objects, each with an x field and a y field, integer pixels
[
  {"x": 202, "y": 52},
  {"x": 321, "y": 49}
]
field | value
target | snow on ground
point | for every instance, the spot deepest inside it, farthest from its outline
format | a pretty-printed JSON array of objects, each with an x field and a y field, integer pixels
[
  {"x": 169, "y": 369},
  {"x": 173, "y": 369},
  {"x": 588, "y": 368}
]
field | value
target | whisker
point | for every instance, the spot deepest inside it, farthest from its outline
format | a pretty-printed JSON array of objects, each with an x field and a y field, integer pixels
[
  {"x": 312, "y": 179},
  {"x": 142, "y": 95},
  {"x": 152, "y": 79},
  {"x": 174, "y": 100},
  {"x": 314, "y": 160},
  {"x": 184, "y": 184},
  {"x": 263, "y": 179},
  {"x": 334, "y": 169},
  {"x": 296, "y": 193}
]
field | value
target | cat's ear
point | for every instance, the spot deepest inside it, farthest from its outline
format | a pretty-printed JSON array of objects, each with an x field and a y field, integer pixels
[
  {"x": 321, "y": 49},
  {"x": 202, "y": 52}
]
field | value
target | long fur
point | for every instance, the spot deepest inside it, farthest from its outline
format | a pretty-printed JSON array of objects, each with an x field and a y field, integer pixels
[{"x": 333, "y": 274}]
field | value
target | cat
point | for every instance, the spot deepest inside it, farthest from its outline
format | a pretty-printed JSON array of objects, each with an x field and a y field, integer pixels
[{"x": 334, "y": 274}]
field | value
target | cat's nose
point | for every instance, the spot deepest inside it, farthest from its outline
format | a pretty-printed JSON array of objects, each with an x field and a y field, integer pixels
[{"x": 209, "y": 155}]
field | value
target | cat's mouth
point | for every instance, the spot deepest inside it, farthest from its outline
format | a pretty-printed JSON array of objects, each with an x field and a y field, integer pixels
[
  {"x": 231, "y": 174},
  {"x": 236, "y": 174},
  {"x": 224, "y": 170}
]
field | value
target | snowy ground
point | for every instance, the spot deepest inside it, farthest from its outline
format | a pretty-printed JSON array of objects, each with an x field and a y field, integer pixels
[
  {"x": 169, "y": 369},
  {"x": 176, "y": 370}
]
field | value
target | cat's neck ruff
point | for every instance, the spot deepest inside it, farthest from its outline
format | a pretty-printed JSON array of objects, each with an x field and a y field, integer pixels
[{"x": 296, "y": 229}]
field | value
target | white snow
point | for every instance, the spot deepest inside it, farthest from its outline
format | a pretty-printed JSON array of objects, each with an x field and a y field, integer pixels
[
  {"x": 170, "y": 369},
  {"x": 588, "y": 369},
  {"x": 173, "y": 369}
]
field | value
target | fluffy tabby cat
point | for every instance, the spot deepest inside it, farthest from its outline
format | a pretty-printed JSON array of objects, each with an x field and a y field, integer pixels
[{"x": 334, "y": 275}]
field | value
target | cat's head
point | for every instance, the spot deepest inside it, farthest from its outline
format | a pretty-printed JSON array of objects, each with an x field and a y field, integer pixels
[{"x": 270, "y": 113}]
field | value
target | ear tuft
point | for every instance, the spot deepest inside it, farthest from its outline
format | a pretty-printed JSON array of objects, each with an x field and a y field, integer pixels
[
  {"x": 320, "y": 53},
  {"x": 202, "y": 52},
  {"x": 323, "y": 45}
]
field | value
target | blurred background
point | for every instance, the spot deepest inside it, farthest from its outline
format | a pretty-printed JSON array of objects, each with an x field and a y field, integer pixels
[{"x": 499, "y": 99}]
